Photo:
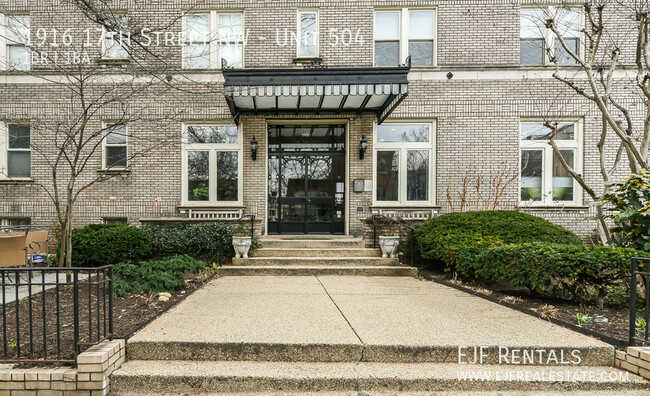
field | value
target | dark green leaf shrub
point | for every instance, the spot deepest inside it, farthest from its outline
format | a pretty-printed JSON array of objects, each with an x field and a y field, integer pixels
[
  {"x": 631, "y": 211},
  {"x": 199, "y": 240},
  {"x": 456, "y": 239},
  {"x": 154, "y": 276},
  {"x": 554, "y": 269},
  {"x": 101, "y": 244}
]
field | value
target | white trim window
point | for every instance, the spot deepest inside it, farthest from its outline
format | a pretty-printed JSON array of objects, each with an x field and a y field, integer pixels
[
  {"x": 15, "y": 151},
  {"x": 212, "y": 164},
  {"x": 403, "y": 32},
  {"x": 535, "y": 38},
  {"x": 212, "y": 36},
  {"x": 403, "y": 164},
  {"x": 115, "y": 44},
  {"x": 543, "y": 179},
  {"x": 115, "y": 146},
  {"x": 15, "y": 221},
  {"x": 308, "y": 33},
  {"x": 17, "y": 42}
]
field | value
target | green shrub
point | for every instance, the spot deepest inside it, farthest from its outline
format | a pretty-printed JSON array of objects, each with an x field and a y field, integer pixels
[
  {"x": 154, "y": 276},
  {"x": 101, "y": 244},
  {"x": 203, "y": 241},
  {"x": 631, "y": 211},
  {"x": 557, "y": 270},
  {"x": 456, "y": 239}
]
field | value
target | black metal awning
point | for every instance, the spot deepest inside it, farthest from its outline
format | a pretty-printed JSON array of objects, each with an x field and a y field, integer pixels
[{"x": 315, "y": 91}]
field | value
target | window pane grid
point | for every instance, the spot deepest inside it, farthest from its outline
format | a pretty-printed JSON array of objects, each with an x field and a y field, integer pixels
[
  {"x": 116, "y": 150},
  {"x": 211, "y": 37},
  {"x": 212, "y": 160},
  {"x": 308, "y": 34},
  {"x": 543, "y": 178},
  {"x": 535, "y": 37},
  {"x": 18, "y": 151},
  {"x": 18, "y": 38}
]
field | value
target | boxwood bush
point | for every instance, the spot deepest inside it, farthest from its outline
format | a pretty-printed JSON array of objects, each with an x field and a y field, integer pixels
[
  {"x": 101, "y": 244},
  {"x": 569, "y": 271},
  {"x": 203, "y": 241},
  {"x": 154, "y": 276},
  {"x": 457, "y": 239}
]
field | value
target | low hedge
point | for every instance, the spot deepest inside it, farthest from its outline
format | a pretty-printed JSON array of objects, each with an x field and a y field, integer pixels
[
  {"x": 101, "y": 244},
  {"x": 202, "y": 241},
  {"x": 456, "y": 239},
  {"x": 558, "y": 270},
  {"x": 154, "y": 276}
]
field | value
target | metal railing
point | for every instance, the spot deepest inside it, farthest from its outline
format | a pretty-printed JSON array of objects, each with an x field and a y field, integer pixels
[
  {"x": 389, "y": 220},
  {"x": 639, "y": 324},
  {"x": 50, "y": 315}
]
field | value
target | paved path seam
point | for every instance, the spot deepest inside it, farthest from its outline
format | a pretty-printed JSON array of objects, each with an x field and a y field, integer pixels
[
  {"x": 342, "y": 314},
  {"x": 363, "y": 344}
]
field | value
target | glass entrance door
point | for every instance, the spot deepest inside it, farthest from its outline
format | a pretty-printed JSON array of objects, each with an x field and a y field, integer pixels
[{"x": 307, "y": 180}]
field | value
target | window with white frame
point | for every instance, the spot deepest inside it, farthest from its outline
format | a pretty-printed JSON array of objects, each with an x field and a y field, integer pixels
[
  {"x": 15, "y": 151},
  {"x": 116, "y": 42},
  {"x": 544, "y": 180},
  {"x": 402, "y": 33},
  {"x": 212, "y": 164},
  {"x": 404, "y": 163},
  {"x": 212, "y": 36},
  {"x": 18, "y": 53},
  {"x": 536, "y": 38},
  {"x": 115, "y": 146},
  {"x": 15, "y": 221},
  {"x": 307, "y": 34}
]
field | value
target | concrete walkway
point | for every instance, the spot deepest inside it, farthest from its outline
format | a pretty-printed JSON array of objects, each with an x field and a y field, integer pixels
[{"x": 381, "y": 315}]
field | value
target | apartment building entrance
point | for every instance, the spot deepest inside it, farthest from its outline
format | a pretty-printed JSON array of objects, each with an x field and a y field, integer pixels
[{"x": 306, "y": 179}]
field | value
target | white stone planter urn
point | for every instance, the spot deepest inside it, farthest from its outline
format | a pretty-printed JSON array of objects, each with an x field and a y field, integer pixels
[
  {"x": 388, "y": 245},
  {"x": 242, "y": 245}
]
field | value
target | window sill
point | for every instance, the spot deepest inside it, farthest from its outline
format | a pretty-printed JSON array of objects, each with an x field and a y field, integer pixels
[
  {"x": 383, "y": 206},
  {"x": 115, "y": 171},
  {"x": 17, "y": 181},
  {"x": 559, "y": 207},
  {"x": 208, "y": 206},
  {"x": 308, "y": 61},
  {"x": 110, "y": 61}
]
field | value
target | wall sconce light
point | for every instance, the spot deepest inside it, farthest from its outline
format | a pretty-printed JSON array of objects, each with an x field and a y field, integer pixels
[
  {"x": 363, "y": 146},
  {"x": 254, "y": 148}
]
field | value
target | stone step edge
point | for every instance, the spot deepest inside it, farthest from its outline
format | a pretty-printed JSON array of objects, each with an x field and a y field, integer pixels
[
  {"x": 340, "y": 353},
  {"x": 313, "y": 270},
  {"x": 306, "y": 249},
  {"x": 317, "y": 258},
  {"x": 255, "y": 376}
]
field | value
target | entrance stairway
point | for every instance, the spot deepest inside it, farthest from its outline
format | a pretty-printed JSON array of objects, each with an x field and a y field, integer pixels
[{"x": 307, "y": 255}]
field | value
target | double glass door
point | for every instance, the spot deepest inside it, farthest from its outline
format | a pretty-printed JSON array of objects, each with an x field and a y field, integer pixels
[{"x": 306, "y": 191}]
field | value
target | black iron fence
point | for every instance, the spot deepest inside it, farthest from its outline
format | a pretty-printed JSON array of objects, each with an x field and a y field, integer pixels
[
  {"x": 639, "y": 321},
  {"x": 53, "y": 314}
]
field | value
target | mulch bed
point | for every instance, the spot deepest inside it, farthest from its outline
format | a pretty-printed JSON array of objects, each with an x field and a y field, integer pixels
[
  {"x": 618, "y": 317},
  {"x": 130, "y": 313}
]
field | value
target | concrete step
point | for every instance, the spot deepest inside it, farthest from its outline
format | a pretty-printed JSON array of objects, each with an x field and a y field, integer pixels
[
  {"x": 320, "y": 353},
  {"x": 314, "y": 270},
  {"x": 311, "y": 261},
  {"x": 313, "y": 243},
  {"x": 618, "y": 392},
  {"x": 196, "y": 376},
  {"x": 316, "y": 252}
]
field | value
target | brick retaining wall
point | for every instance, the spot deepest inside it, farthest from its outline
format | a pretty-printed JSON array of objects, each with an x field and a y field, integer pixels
[{"x": 90, "y": 377}]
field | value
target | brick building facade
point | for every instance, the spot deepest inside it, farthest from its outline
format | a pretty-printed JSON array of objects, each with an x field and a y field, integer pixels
[{"x": 468, "y": 92}]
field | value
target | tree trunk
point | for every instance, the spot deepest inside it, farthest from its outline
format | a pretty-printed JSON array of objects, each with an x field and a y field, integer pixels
[{"x": 602, "y": 293}]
